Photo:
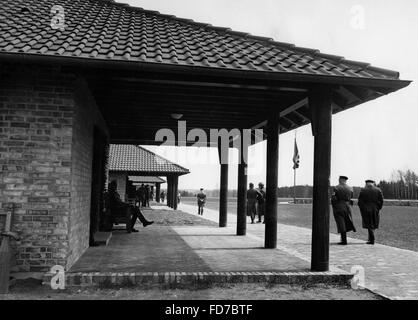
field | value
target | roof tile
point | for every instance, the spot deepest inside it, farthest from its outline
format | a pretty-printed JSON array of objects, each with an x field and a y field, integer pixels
[
  {"x": 106, "y": 30},
  {"x": 138, "y": 159}
]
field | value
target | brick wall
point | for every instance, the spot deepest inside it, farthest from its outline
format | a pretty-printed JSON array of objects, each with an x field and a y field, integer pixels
[
  {"x": 36, "y": 114},
  {"x": 85, "y": 119},
  {"x": 45, "y": 163}
]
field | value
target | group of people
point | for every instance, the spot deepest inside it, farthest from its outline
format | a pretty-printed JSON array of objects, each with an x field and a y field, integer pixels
[
  {"x": 143, "y": 195},
  {"x": 256, "y": 202},
  {"x": 370, "y": 202}
]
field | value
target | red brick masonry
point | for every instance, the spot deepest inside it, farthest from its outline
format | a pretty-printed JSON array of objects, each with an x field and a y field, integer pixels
[{"x": 46, "y": 130}]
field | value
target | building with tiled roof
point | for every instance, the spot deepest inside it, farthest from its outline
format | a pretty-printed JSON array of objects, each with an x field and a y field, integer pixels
[
  {"x": 140, "y": 161},
  {"x": 128, "y": 164},
  {"x": 79, "y": 75}
]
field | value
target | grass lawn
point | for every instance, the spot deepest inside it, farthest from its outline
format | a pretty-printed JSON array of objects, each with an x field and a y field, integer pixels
[{"x": 398, "y": 228}]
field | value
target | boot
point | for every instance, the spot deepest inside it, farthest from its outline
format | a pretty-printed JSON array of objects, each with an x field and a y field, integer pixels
[
  {"x": 371, "y": 237},
  {"x": 343, "y": 239},
  {"x": 147, "y": 223}
]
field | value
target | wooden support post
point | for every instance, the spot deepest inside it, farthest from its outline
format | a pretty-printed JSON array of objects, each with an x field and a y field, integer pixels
[
  {"x": 321, "y": 113},
  {"x": 270, "y": 240},
  {"x": 223, "y": 193},
  {"x": 176, "y": 192},
  {"x": 242, "y": 192},
  {"x": 158, "y": 192},
  {"x": 169, "y": 191},
  {"x": 172, "y": 193}
]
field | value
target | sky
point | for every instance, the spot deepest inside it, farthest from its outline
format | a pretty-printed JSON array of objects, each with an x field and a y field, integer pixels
[{"x": 369, "y": 141}]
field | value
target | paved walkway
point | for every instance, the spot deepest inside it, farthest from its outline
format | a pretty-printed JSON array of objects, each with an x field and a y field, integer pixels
[
  {"x": 186, "y": 249},
  {"x": 389, "y": 271}
]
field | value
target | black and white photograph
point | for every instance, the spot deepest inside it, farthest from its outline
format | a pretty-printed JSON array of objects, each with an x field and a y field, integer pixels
[{"x": 208, "y": 155}]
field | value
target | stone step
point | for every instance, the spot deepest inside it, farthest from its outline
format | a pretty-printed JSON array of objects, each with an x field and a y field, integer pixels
[
  {"x": 199, "y": 280},
  {"x": 102, "y": 238}
]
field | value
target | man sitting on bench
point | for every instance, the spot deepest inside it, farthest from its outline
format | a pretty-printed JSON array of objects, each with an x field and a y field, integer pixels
[{"x": 117, "y": 204}]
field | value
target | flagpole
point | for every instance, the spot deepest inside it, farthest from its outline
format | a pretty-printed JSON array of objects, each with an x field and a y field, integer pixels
[{"x": 294, "y": 176}]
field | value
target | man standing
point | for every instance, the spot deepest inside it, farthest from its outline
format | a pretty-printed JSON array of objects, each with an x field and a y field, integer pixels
[
  {"x": 117, "y": 204},
  {"x": 147, "y": 195},
  {"x": 261, "y": 205},
  {"x": 252, "y": 196},
  {"x": 370, "y": 202},
  {"x": 201, "y": 201},
  {"x": 141, "y": 195},
  {"x": 341, "y": 205},
  {"x": 162, "y": 197}
]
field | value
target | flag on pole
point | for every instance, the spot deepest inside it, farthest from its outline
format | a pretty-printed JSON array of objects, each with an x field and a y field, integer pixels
[{"x": 296, "y": 157}]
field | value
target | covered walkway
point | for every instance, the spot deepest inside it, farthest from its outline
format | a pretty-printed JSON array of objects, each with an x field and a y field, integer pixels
[{"x": 120, "y": 81}]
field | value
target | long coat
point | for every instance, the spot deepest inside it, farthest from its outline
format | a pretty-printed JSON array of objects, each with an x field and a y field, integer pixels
[
  {"x": 252, "y": 196},
  {"x": 261, "y": 202},
  {"x": 370, "y": 202},
  {"x": 341, "y": 205},
  {"x": 201, "y": 199}
]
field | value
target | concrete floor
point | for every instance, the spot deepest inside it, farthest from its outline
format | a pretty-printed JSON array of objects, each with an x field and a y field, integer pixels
[{"x": 185, "y": 249}]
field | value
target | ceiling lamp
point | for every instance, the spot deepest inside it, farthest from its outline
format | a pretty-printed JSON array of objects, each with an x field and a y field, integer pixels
[{"x": 176, "y": 116}]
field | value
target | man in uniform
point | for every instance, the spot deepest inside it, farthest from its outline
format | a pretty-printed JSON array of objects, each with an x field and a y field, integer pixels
[
  {"x": 141, "y": 195},
  {"x": 370, "y": 202},
  {"x": 147, "y": 195},
  {"x": 261, "y": 201},
  {"x": 252, "y": 196},
  {"x": 341, "y": 205},
  {"x": 117, "y": 204},
  {"x": 201, "y": 200}
]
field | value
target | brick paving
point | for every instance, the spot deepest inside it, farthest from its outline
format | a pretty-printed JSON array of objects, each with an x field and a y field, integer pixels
[{"x": 389, "y": 271}]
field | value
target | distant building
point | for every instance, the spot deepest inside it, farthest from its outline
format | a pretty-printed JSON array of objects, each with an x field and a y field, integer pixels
[{"x": 139, "y": 165}]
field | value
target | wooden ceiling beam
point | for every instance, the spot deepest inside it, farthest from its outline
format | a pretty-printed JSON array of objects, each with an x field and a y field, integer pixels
[
  {"x": 196, "y": 80},
  {"x": 189, "y": 91}
]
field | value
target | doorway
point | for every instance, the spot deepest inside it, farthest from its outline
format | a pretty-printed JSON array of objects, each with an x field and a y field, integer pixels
[{"x": 99, "y": 180}]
